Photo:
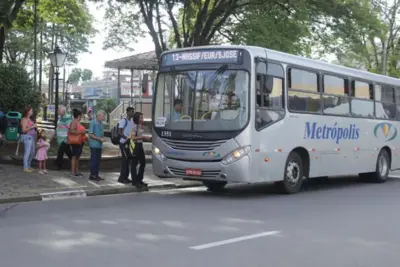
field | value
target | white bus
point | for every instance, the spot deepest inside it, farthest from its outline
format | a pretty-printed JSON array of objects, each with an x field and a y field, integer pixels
[{"x": 241, "y": 114}]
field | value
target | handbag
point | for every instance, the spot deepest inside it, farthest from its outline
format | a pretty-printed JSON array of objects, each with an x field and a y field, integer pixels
[
  {"x": 130, "y": 148},
  {"x": 74, "y": 139}
]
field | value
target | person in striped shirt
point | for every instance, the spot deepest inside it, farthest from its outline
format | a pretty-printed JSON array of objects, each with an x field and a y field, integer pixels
[{"x": 61, "y": 135}]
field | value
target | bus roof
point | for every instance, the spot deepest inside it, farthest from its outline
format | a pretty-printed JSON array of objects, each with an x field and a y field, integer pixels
[{"x": 305, "y": 62}]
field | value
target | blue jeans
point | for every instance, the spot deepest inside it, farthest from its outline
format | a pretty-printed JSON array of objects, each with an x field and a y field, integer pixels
[
  {"x": 29, "y": 150},
  {"x": 95, "y": 157}
]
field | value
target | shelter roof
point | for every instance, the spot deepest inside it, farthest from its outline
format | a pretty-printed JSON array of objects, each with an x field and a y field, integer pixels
[{"x": 142, "y": 61}]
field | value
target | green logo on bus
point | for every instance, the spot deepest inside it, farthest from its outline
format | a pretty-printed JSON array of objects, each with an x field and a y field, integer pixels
[
  {"x": 386, "y": 130},
  {"x": 211, "y": 154}
]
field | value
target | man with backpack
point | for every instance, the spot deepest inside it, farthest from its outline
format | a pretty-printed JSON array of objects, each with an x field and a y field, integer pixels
[{"x": 125, "y": 126}]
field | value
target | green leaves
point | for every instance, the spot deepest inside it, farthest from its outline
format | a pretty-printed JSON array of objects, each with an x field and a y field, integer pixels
[
  {"x": 16, "y": 88},
  {"x": 123, "y": 25},
  {"x": 63, "y": 22},
  {"x": 107, "y": 105},
  {"x": 77, "y": 75}
]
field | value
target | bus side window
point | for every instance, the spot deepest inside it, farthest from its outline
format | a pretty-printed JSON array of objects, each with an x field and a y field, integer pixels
[
  {"x": 269, "y": 95},
  {"x": 385, "y": 102},
  {"x": 303, "y": 91},
  {"x": 362, "y": 104}
]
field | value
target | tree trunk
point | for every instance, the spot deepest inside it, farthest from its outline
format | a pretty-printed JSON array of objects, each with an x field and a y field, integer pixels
[{"x": 2, "y": 42}]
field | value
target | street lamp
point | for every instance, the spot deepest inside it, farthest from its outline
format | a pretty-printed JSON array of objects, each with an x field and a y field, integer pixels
[{"x": 57, "y": 59}]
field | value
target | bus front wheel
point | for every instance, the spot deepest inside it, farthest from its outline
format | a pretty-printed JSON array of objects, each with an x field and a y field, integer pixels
[
  {"x": 214, "y": 186},
  {"x": 293, "y": 175}
]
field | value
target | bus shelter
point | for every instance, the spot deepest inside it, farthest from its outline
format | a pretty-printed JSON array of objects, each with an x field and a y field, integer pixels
[{"x": 145, "y": 64}]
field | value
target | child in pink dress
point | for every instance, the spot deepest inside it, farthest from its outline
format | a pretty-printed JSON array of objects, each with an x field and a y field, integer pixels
[{"x": 41, "y": 154}]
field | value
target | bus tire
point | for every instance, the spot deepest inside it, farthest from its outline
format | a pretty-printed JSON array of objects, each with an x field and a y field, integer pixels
[
  {"x": 381, "y": 173},
  {"x": 293, "y": 174},
  {"x": 382, "y": 168},
  {"x": 214, "y": 186}
]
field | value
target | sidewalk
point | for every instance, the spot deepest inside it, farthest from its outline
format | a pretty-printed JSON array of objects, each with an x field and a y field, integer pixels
[{"x": 17, "y": 186}]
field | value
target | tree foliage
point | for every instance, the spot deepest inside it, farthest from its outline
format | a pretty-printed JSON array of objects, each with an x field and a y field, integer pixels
[
  {"x": 87, "y": 75},
  {"x": 77, "y": 75},
  {"x": 373, "y": 44},
  {"x": 198, "y": 24},
  {"x": 16, "y": 88},
  {"x": 66, "y": 23},
  {"x": 9, "y": 10},
  {"x": 107, "y": 105}
]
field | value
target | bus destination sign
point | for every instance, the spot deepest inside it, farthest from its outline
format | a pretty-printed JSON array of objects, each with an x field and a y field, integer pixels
[{"x": 202, "y": 56}]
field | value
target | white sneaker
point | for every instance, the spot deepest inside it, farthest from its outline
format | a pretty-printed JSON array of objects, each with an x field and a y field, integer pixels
[{"x": 41, "y": 172}]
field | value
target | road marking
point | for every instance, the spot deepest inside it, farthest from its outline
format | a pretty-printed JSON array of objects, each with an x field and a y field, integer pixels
[
  {"x": 234, "y": 240},
  {"x": 63, "y": 195},
  {"x": 94, "y": 184},
  {"x": 65, "y": 181}
]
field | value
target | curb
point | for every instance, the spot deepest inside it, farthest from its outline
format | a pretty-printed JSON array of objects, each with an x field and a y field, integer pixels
[
  {"x": 90, "y": 192},
  {"x": 17, "y": 161}
]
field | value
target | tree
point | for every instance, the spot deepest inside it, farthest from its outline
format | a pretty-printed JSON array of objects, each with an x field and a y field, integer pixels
[
  {"x": 199, "y": 23},
  {"x": 16, "y": 79},
  {"x": 8, "y": 13},
  {"x": 66, "y": 23},
  {"x": 87, "y": 75},
  {"x": 75, "y": 76},
  {"x": 373, "y": 45},
  {"x": 107, "y": 105}
]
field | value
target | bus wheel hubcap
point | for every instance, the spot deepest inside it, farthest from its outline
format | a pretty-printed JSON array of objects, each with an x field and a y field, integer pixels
[
  {"x": 383, "y": 166},
  {"x": 293, "y": 172}
]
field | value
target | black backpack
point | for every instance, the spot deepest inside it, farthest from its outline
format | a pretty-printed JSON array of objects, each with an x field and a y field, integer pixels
[{"x": 115, "y": 136}]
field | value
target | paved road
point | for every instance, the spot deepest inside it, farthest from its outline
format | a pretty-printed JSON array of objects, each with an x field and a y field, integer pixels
[{"x": 335, "y": 223}]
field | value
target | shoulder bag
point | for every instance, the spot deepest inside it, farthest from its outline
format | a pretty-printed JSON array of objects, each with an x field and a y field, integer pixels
[{"x": 130, "y": 147}]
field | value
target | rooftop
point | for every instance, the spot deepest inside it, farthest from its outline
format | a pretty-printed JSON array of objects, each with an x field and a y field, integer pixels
[{"x": 142, "y": 61}]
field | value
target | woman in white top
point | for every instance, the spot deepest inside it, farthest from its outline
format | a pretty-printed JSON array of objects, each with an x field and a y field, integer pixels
[{"x": 137, "y": 136}]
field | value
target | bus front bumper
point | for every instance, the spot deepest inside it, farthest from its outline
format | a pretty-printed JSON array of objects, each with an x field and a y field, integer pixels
[{"x": 236, "y": 172}]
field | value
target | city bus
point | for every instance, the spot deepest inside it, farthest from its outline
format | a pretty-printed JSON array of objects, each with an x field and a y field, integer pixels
[{"x": 243, "y": 114}]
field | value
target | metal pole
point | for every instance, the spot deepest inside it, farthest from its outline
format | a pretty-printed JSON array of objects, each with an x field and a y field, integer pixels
[
  {"x": 131, "y": 87},
  {"x": 63, "y": 96},
  {"x": 119, "y": 86},
  {"x": 41, "y": 60},
  {"x": 35, "y": 32},
  {"x": 57, "y": 73}
]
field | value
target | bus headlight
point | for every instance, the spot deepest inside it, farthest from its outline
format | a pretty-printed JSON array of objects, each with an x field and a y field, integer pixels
[
  {"x": 157, "y": 152},
  {"x": 236, "y": 155}
]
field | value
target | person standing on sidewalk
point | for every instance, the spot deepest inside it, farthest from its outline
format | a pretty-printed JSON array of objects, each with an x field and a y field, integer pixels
[
  {"x": 96, "y": 140},
  {"x": 28, "y": 128},
  {"x": 138, "y": 137},
  {"x": 125, "y": 127},
  {"x": 61, "y": 134}
]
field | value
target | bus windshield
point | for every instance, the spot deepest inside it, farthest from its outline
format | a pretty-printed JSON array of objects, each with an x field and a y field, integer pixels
[{"x": 203, "y": 100}]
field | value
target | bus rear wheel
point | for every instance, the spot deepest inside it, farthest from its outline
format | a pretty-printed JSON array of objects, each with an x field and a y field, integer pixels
[
  {"x": 293, "y": 175},
  {"x": 214, "y": 186},
  {"x": 381, "y": 173}
]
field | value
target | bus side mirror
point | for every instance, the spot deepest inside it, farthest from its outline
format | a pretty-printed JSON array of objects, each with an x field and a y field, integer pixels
[{"x": 145, "y": 83}]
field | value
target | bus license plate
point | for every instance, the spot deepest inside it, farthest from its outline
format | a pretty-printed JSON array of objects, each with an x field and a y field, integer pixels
[{"x": 193, "y": 172}]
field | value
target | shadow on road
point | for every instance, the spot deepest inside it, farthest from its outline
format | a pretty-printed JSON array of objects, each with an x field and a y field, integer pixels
[{"x": 311, "y": 185}]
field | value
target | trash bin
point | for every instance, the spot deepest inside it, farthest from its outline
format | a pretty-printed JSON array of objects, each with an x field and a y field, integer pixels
[{"x": 13, "y": 120}]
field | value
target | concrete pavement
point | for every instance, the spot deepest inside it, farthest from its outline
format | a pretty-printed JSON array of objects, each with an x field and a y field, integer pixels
[
  {"x": 17, "y": 186},
  {"x": 333, "y": 223}
]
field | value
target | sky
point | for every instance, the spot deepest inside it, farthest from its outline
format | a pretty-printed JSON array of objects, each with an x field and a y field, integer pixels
[{"x": 96, "y": 59}]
